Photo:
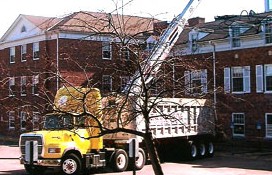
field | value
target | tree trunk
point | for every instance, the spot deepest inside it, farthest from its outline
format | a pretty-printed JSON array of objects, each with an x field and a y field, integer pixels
[{"x": 152, "y": 151}]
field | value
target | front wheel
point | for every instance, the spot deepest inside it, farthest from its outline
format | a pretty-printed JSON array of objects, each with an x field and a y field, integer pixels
[
  {"x": 35, "y": 170},
  {"x": 71, "y": 165}
]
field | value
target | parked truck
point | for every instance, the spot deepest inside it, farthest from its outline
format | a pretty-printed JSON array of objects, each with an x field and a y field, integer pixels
[{"x": 71, "y": 136}]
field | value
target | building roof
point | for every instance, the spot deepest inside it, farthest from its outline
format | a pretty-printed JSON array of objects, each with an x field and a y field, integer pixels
[
  {"x": 219, "y": 28},
  {"x": 42, "y": 22},
  {"x": 95, "y": 22},
  {"x": 80, "y": 22}
]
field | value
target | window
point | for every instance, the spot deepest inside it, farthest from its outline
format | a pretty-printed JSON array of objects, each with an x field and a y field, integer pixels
[
  {"x": 195, "y": 81},
  {"x": 268, "y": 125},
  {"x": 36, "y": 51},
  {"x": 268, "y": 32},
  {"x": 237, "y": 79},
  {"x": 124, "y": 82},
  {"x": 264, "y": 78},
  {"x": 23, "y": 120},
  {"x": 150, "y": 46},
  {"x": 11, "y": 116},
  {"x": 235, "y": 36},
  {"x": 23, "y": 29},
  {"x": 106, "y": 83},
  {"x": 12, "y": 86},
  {"x": 106, "y": 50},
  {"x": 23, "y": 86},
  {"x": 23, "y": 52},
  {"x": 35, "y": 121},
  {"x": 124, "y": 54},
  {"x": 238, "y": 120},
  {"x": 35, "y": 82},
  {"x": 194, "y": 39},
  {"x": 12, "y": 55}
]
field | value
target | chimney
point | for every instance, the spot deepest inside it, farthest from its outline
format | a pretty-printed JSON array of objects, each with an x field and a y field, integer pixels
[
  {"x": 195, "y": 21},
  {"x": 158, "y": 27}
]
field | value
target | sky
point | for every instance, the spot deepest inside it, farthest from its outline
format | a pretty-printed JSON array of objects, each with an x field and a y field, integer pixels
[{"x": 161, "y": 9}]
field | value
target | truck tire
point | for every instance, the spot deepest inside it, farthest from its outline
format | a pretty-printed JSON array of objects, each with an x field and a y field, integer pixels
[
  {"x": 210, "y": 149},
  {"x": 71, "y": 165},
  {"x": 140, "y": 160},
  {"x": 35, "y": 170},
  {"x": 192, "y": 152},
  {"x": 119, "y": 161},
  {"x": 202, "y": 150}
]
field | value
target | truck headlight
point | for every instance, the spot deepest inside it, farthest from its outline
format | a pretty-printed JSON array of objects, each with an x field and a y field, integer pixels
[{"x": 53, "y": 150}]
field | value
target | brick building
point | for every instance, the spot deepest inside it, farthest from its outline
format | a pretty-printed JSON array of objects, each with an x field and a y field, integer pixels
[
  {"x": 40, "y": 54},
  {"x": 241, "y": 48}
]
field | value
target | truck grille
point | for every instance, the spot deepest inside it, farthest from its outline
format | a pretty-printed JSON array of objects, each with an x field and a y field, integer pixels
[{"x": 31, "y": 138}]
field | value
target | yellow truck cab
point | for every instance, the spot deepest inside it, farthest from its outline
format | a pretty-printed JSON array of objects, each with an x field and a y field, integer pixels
[{"x": 67, "y": 140}]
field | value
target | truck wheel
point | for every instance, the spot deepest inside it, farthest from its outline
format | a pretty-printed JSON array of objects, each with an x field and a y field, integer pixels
[
  {"x": 210, "y": 149},
  {"x": 35, "y": 170},
  {"x": 71, "y": 165},
  {"x": 192, "y": 151},
  {"x": 202, "y": 150},
  {"x": 140, "y": 161},
  {"x": 120, "y": 160}
]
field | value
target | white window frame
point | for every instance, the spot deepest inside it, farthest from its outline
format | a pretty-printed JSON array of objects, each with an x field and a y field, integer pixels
[
  {"x": 23, "y": 52},
  {"x": 12, "y": 54},
  {"x": 23, "y": 85},
  {"x": 106, "y": 81},
  {"x": 235, "y": 36},
  {"x": 193, "y": 40},
  {"x": 190, "y": 76},
  {"x": 261, "y": 80},
  {"x": 106, "y": 47},
  {"x": 23, "y": 117},
  {"x": 267, "y": 32},
  {"x": 35, "y": 82},
  {"x": 125, "y": 54},
  {"x": 35, "y": 121},
  {"x": 36, "y": 51},
  {"x": 228, "y": 79},
  {"x": 11, "y": 116},
  {"x": 235, "y": 123},
  {"x": 11, "y": 86},
  {"x": 124, "y": 82}
]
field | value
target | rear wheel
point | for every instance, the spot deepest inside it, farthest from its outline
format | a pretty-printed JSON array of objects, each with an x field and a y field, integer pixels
[
  {"x": 192, "y": 151},
  {"x": 140, "y": 160},
  {"x": 120, "y": 160},
  {"x": 202, "y": 150},
  {"x": 210, "y": 149},
  {"x": 71, "y": 165}
]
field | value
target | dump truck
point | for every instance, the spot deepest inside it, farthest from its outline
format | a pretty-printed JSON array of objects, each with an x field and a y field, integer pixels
[{"x": 71, "y": 136}]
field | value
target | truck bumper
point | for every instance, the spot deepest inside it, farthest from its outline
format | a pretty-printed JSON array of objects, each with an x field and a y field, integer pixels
[{"x": 43, "y": 162}]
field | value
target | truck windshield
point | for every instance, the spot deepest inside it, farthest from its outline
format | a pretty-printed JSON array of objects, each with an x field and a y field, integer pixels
[{"x": 58, "y": 122}]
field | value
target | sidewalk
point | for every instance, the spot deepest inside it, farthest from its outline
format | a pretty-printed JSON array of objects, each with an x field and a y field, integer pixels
[{"x": 9, "y": 152}]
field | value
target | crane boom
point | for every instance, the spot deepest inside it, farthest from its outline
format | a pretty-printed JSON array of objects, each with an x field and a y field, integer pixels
[{"x": 162, "y": 49}]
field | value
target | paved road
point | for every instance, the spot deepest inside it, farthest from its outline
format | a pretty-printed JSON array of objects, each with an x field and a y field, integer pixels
[{"x": 223, "y": 163}]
